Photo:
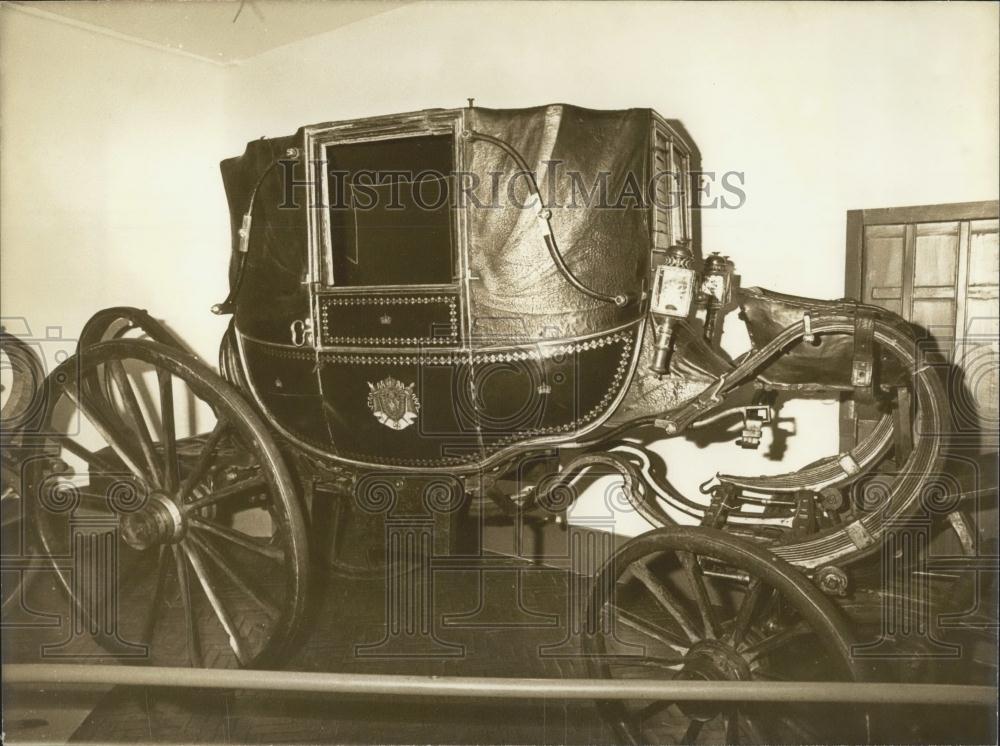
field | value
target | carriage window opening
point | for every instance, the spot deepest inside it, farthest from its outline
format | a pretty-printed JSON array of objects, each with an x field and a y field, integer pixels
[
  {"x": 679, "y": 209},
  {"x": 390, "y": 212},
  {"x": 672, "y": 198}
]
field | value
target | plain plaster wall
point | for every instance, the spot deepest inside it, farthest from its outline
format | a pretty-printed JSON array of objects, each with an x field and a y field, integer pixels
[{"x": 110, "y": 191}]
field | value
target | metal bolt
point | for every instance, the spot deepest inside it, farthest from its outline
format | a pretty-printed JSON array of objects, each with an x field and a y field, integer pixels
[
  {"x": 669, "y": 426},
  {"x": 831, "y": 499},
  {"x": 832, "y": 581}
]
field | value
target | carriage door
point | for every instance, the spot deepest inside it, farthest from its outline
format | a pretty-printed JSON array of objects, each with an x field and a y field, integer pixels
[
  {"x": 937, "y": 267},
  {"x": 389, "y": 311}
]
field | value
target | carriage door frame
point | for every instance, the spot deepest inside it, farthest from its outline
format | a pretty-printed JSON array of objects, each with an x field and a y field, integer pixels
[
  {"x": 936, "y": 266},
  {"x": 323, "y": 283}
]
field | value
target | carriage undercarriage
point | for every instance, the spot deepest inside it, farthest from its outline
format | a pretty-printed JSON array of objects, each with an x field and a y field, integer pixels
[{"x": 220, "y": 505}]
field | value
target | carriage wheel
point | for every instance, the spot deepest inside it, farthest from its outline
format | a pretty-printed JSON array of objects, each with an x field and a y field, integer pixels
[
  {"x": 23, "y": 374},
  {"x": 201, "y": 536},
  {"x": 117, "y": 322},
  {"x": 20, "y": 408},
  {"x": 696, "y": 603}
]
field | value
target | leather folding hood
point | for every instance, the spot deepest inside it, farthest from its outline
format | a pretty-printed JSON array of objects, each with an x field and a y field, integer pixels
[{"x": 589, "y": 166}]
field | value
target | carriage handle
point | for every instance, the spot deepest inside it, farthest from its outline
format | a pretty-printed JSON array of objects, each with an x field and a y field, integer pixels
[{"x": 545, "y": 217}]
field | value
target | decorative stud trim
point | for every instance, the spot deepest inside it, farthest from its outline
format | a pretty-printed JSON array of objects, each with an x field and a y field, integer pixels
[
  {"x": 451, "y": 301},
  {"x": 621, "y": 372},
  {"x": 625, "y": 338}
]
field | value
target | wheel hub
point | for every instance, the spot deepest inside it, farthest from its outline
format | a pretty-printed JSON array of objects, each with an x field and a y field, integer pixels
[
  {"x": 711, "y": 660},
  {"x": 159, "y": 521}
]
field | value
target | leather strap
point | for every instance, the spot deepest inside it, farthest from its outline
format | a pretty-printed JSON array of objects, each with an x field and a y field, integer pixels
[{"x": 863, "y": 364}]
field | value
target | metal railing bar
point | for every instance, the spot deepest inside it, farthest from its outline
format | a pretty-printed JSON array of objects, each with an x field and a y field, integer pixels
[{"x": 504, "y": 688}]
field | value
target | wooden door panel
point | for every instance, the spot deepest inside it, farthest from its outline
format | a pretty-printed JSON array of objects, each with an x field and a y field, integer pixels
[
  {"x": 938, "y": 266},
  {"x": 984, "y": 253},
  {"x": 936, "y": 255},
  {"x": 883, "y": 266},
  {"x": 937, "y": 318}
]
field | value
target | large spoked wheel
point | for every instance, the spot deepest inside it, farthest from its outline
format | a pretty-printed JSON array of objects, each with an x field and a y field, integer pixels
[
  {"x": 177, "y": 547},
  {"x": 118, "y": 322},
  {"x": 21, "y": 377},
  {"x": 696, "y": 603},
  {"x": 22, "y": 373}
]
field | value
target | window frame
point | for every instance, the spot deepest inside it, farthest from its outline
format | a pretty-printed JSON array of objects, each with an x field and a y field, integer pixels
[{"x": 318, "y": 138}]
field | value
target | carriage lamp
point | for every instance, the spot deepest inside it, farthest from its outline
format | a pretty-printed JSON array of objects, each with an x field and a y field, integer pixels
[
  {"x": 672, "y": 298},
  {"x": 715, "y": 292}
]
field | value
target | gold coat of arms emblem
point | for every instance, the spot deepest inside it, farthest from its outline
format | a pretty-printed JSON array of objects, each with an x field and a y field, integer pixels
[{"x": 393, "y": 403}]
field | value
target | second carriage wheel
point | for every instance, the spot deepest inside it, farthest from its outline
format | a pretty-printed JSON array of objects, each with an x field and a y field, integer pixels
[
  {"x": 688, "y": 603},
  {"x": 21, "y": 377},
  {"x": 177, "y": 528},
  {"x": 22, "y": 374}
]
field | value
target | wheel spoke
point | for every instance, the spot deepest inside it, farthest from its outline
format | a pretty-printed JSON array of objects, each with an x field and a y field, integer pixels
[
  {"x": 119, "y": 579},
  {"x": 775, "y": 641},
  {"x": 170, "y": 475},
  {"x": 131, "y": 403},
  {"x": 646, "y": 661},
  {"x": 190, "y": 620},
  {"x": 204, "y": 460},
  {"x": 662, "y": 596},
  {"x": 630, "y": 620},
  {"x": 800, "y": 727},
  {"x": 691, "y": 734},
  {"x": 215, "y": 602},
  {"x": 97, "y": 503},
  {"x": 652, "y": 709},
  {"x": 232, "y": 490},
  {"x": 767, "y": 675},
  {"x": 154, "y": 606},
  {"x": 237, "y": 538},
  {"x": 744, "y": 616},
  {"x": 84, "y": 454},
  {"x": 749, "y": 721},
  {"x": 241, "y": 584},
  {"x": 732, "y": 727},
  {"x": 105, "y": 432},
  {"x": 693, "y": 571}
]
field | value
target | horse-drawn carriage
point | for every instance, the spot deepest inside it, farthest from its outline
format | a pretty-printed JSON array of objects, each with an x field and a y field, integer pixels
[{"x": 455, "y": 306}]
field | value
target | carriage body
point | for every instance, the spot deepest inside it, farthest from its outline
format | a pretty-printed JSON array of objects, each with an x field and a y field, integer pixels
[
  {"x": 398, "y": 307},
  {"x": 451, "y": 294}
]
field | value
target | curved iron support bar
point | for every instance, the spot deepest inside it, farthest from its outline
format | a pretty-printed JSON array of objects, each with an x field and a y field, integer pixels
[
  {"x": 464, "y": 687},
  {"x": 715, "y": 394},
  {"x": 653, "y": 470},
  {"x": 633, "y": 480},
  {"x": 837, "y": 470},
  {"x": 859, "y": 538}
]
